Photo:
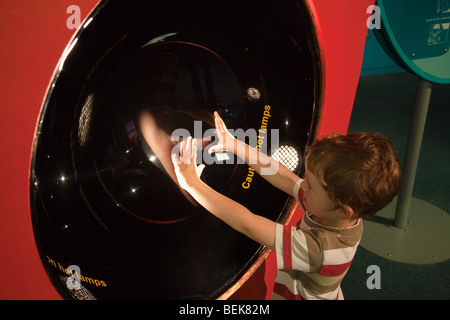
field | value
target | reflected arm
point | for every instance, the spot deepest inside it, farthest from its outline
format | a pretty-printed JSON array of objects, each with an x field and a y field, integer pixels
[
  {"x": 271, "y": 170},
  {"x": 161, "y": 144}
]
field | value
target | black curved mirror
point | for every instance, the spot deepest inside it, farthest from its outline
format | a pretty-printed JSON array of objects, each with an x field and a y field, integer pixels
[{"x": 137, "y": 77}]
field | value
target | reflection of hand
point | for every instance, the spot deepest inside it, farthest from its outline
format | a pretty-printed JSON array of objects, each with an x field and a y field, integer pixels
[
  {"x": 161, "y": 144},
  {"x": 186, "y": 169},
  {"x": 226, "y": 141}
]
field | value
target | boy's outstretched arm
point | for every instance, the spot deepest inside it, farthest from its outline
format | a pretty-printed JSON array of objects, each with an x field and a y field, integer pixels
[
  {"x": 271, "y": 170},
  {"x": 258, "y": 228}
]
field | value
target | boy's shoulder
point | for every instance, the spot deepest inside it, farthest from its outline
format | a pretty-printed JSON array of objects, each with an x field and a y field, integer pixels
[{"x": 330, "y": 237}]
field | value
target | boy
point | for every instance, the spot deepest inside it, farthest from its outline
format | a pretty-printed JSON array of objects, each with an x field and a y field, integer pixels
[{"x": 348, "y": 177}]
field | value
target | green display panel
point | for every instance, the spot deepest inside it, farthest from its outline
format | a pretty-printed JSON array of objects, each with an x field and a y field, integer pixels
[{"x": 415, "y": 33}]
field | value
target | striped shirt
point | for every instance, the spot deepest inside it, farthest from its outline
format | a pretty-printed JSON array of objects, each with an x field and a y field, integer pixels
[{"x": 312, "y": 259}]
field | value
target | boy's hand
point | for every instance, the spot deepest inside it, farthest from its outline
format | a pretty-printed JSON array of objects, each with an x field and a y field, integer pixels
[
  {"x": 226, "y": 141},
  {"x": 186, "y": 169}
]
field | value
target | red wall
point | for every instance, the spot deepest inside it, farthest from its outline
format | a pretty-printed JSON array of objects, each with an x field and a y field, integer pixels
[{"x": 33, "y": 35}]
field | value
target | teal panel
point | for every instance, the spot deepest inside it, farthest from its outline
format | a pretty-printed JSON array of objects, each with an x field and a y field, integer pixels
[
  {"x": 375, "y": 60},
  {"x": 416, "y": 32}
]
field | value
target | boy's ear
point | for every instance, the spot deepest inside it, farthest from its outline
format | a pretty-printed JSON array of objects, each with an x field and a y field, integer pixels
[{"x": 346, "y": 212}]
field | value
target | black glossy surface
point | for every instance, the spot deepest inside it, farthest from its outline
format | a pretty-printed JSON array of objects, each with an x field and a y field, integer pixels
[{"x": 102, "y": 194}]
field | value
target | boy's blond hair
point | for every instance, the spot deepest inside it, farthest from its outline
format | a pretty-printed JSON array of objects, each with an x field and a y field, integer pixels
[{"x": 360, "y": 170}]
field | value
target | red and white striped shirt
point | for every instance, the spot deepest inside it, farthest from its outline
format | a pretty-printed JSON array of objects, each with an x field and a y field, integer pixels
[{"x": 312, "y": 259}]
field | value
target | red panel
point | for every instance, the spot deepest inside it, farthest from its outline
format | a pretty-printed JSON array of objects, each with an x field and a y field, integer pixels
[
  {"x": 33, "y": 36},
  {"x": 344, "y": 33}
]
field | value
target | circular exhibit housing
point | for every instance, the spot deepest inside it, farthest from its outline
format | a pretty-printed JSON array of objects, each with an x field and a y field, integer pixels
[
  {"x": 109, "y": 218},
  {"x": 415, "y": 33}
]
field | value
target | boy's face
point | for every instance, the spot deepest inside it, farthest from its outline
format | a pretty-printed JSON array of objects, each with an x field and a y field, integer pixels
[{"x": 316, "y": 199}]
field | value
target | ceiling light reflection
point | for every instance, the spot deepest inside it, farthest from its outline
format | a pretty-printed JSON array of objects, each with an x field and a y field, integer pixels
[{"x": 287, "y": 155}]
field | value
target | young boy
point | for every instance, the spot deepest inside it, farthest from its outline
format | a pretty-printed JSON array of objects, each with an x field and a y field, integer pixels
[{"x": 348, "y": 177}]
